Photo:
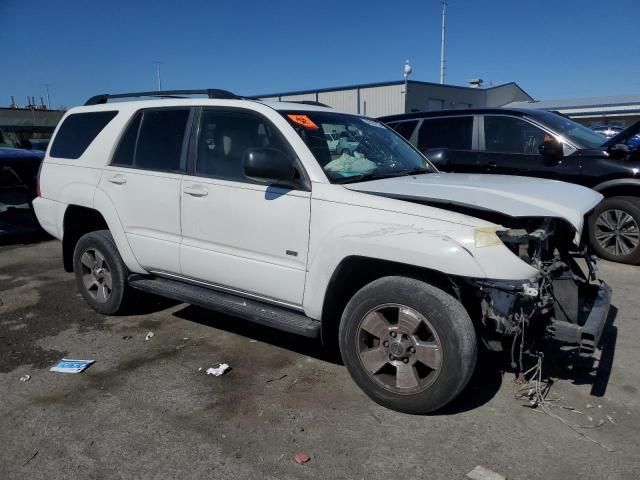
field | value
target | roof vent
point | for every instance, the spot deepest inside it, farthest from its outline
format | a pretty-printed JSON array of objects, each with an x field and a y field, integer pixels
[{"x": 475, "y": 83}]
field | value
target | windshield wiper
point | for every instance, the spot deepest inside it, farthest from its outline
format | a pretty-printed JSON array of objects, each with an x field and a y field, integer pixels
[
  {"x": 368, "y": 176},
  {"x": 417, "y": 170}
]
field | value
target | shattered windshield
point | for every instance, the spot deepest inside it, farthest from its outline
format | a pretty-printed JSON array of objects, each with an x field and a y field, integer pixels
[{"x": 351, "y": 148}]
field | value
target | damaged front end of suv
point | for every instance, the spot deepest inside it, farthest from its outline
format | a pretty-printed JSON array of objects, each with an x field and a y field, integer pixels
[{"x": 564, "y": 303}]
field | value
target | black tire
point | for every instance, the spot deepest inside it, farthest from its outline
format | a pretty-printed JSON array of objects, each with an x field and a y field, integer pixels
[
  {"x": 607, "y": 246},
  {"x": 109, "y": 261},
  {"x": 453, "y": 332}
]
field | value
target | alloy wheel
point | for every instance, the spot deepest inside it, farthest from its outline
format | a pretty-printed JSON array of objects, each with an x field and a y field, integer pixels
[
  {"x": 399, "y": 349},
  {"x": 617, "y": 232},
  {"x": 96, "y": 275}
]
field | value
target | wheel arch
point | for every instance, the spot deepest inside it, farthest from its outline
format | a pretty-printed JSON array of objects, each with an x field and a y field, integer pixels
[
  {"x": 354, "y": 272},
  {"x": 79, "y": 220},
  {"x": 623, "y": 187}
]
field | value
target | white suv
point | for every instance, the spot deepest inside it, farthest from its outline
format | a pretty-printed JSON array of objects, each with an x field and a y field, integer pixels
[{"x": 238, "y": 205}]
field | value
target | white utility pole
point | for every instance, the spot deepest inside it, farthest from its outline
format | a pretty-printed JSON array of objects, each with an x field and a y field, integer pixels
[
  {"x": 444, "y": 13},
  {"x": 158, "y": 63},
  {"x": 47, "y": 85}
]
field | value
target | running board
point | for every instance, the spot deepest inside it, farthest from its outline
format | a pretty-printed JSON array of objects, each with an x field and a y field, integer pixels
[{"x": 229, "y": 304}]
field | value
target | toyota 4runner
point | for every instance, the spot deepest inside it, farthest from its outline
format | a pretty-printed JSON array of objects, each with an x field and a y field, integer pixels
[{"x": 241, "y": 206}]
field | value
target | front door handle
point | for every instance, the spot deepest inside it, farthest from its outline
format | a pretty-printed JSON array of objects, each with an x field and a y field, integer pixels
[
  {"x": 118, "y": 179},
  {"x": 196, "y": 191},
  {"x": 492, "y": 165}
]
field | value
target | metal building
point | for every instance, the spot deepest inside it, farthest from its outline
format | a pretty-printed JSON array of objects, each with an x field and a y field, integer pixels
[
  {"x": 388, "y": 98},
  {"x": 617, "y": 110}
]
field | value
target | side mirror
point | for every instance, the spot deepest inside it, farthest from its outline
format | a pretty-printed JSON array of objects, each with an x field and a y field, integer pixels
[
  {"x": 551, "y": 149},
  {"x": 269, "y": 165},
  {"x": 619, "y": 151},
  {"x": 439, "y": 157}
]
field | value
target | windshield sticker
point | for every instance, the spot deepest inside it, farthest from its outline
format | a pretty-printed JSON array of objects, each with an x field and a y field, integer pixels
[
  {"x": 373, "y": 123},
  {"x": 303, "y": 120}
]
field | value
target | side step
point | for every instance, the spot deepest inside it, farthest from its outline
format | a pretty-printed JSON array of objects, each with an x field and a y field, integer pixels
[{"x": 229, "y": 304}]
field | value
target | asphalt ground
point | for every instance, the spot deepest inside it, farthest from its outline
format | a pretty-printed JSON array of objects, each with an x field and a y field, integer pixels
[{"x": 146, "y": 410}]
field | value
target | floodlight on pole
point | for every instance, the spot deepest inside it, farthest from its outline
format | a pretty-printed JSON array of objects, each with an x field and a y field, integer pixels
[{"x": 405, "y": 73}]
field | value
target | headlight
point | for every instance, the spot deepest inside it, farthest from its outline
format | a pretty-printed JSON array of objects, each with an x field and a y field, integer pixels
[{"x": 486, "y": 237}]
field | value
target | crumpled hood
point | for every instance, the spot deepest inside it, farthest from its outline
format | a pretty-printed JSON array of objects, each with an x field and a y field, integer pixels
[{"x": 510, "y": 195}]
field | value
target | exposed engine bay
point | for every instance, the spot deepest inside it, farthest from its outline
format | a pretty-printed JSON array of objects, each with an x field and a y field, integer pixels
[{"x": 564, "y": 304}]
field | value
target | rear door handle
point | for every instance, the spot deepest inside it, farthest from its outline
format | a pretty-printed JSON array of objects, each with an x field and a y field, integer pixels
[
  {"x": 196, "y": 191},
  {"x": 118, "y": 179},
  {"x": 492, "y": 164}
]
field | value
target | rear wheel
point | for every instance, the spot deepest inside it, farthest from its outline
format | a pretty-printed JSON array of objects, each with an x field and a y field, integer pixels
[
  {"x": 614, "y": 229},
  {"x": 101, "y": 275},
  {"x": 409, "y": 345}
]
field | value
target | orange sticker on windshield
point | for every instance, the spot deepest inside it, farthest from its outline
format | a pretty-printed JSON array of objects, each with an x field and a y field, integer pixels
[{"x": 303, "y": 120}]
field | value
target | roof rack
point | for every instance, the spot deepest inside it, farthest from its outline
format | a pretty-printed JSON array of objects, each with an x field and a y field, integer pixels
[
  {"x": 308, "y": 102},
  {"x": 210, "y": 92}
]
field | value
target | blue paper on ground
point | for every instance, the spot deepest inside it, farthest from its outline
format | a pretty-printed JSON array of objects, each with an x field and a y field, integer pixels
[{"x": 71, "y": 366}]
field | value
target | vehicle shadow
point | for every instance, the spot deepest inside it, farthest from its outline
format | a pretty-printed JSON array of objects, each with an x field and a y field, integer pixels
[
  {"x": 19, "y": 226},
  {"x": 289, "y": 341},
  {"x": 482, "y": 387},
  {"x": 587, "y": 370}
]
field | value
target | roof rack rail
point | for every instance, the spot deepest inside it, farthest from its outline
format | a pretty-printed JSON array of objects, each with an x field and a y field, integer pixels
[
  {"x": 210, "y": 93},
  {"x": 309, "y": 102}
]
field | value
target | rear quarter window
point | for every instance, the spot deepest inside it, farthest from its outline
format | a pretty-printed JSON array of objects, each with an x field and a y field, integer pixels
[{"x": 77, "y": 132}]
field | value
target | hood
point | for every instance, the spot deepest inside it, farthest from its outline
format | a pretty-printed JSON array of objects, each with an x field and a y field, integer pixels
[
  {"x": 508, "y": 195},
  {"x": 19, "y": 153}
]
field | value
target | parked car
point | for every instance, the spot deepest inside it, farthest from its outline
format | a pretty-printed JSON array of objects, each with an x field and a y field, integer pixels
[
  {"x": 407, "y": 269},
  {"x": 607, "y": 130},
  {"x": 18, "y": 172},
  {"x": 347, "y": 144},
  {"x": 542, "y": 144}
]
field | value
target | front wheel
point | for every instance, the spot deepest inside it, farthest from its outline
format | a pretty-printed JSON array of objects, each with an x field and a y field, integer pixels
[
  {"x": 614, "y": 230},
  {"x": 410, "y": 346}
]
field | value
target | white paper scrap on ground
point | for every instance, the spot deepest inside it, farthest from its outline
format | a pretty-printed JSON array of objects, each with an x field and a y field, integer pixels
[
  {"x": 67, "y": 365},
  {"x": 149, "y": 336},
  {"x": 219, "y": 370},
  {"x": 483, "y": 473}
]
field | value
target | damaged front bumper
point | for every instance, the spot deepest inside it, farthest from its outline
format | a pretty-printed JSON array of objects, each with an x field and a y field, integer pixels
[
  {"x": 562, "y": 306},
  {"x": 593, "y": 309}
]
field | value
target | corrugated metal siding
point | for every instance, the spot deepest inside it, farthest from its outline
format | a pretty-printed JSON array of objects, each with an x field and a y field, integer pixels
[
  {"x": 271, "y": 99},
  {"x": 296, "y": 98},
  {"x": 378, "y": 101},
  {"x": 341, "y": 100}
]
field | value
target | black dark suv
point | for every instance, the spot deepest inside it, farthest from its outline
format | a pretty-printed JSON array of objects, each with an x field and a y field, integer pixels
[{"x": 537, "y": 143}]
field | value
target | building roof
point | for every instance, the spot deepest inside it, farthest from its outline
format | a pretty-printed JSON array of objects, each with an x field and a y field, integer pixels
[
  {"x": 381, "y": 84},
  {"x": 608, "y": 102}
]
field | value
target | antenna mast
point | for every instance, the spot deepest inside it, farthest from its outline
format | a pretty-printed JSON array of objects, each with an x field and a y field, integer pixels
[{"x": 444, "y": 13}]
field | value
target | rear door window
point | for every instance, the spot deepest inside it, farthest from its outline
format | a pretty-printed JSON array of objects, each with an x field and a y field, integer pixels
[
  {"x": 154, "y": 140},
  {"x": 455, "y": 133},
  {"x": 503, "y": 134},
  {"x": 77, "y": 132}
]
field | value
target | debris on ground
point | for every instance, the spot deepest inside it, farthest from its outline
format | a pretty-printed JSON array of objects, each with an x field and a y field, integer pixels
[
  {"x": 127, "y": 337},
  {"x": 67, "y": 365},
  {"x": 149, "y": 336},
  {"x": 253, "y": 341},
  {"x": 484, "y": 473},
  {"x": 535, "y": 391},
  {"x": 219, "y": 370},
  {"x": 25, "y": 378},
  {"x": 31, "y": 458},
  {"x": 276, "y": 379},
  {"x": 301, "y": 458}
]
